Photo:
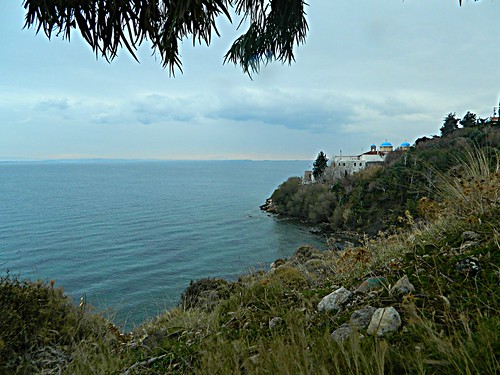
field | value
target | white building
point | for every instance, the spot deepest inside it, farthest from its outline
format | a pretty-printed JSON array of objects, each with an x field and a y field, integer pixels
[
  {"x": 352, "y": 164},
  {"x": 343, "y": 165}
]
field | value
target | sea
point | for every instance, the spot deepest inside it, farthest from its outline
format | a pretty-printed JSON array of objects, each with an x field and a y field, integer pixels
[{"x": 129, "y": 236}]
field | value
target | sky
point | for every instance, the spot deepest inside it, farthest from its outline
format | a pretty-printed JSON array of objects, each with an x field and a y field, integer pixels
[{"x": 370, "y": 71}]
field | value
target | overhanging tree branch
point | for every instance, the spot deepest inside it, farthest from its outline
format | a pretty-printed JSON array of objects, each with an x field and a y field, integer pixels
[{"x": 275, "y": 26}]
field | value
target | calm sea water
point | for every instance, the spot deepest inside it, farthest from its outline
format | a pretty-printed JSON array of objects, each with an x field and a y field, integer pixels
[{"x": 130, "y": 236}]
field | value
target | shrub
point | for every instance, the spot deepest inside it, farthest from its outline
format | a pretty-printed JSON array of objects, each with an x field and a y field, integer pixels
[{"x": 40, "y": 327}]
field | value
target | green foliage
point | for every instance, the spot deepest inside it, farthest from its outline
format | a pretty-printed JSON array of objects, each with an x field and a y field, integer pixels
[
  {"x": 374, "y": 199},
  {"x": 469, "y": 120},
  {"x": 286, "y": 191},
  {"x": 450, "y": 124},
  {"x": 320, "y": 165},
  {"x": 39, "y": 325},
  {"x": 203, "y": 293}
]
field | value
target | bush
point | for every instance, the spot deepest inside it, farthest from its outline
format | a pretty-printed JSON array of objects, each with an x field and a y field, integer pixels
[{"x": 40, "y": 326}]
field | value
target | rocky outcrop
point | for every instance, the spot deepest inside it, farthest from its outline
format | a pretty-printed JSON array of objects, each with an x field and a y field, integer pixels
[{"x": 269, "y": 206}]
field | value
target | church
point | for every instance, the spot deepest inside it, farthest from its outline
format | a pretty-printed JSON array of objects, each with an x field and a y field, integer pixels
[
  {"x": 343, "y": 165},
  {"x": 355, "y": 163}
]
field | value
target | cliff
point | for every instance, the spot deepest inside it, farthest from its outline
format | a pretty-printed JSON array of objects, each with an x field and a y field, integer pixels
[{"x": 374, "y": 199}]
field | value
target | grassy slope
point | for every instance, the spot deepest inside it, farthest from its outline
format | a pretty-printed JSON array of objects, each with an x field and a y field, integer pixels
[{"x": 450, "y": 323}]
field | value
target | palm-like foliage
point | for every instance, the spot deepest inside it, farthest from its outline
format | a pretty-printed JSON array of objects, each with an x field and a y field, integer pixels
[{"x": 275, "y": 26}]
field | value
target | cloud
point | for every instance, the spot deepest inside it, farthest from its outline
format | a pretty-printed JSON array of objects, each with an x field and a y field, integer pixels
[
  {"x": 158, "y": 107},
  {"x": 316, "y": 111},
  {"x": 320, "y": 111},
  {"x": 46, "y": 104}
]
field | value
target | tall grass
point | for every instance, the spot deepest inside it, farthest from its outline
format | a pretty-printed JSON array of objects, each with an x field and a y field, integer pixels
[{"x": 473, "y": 189}]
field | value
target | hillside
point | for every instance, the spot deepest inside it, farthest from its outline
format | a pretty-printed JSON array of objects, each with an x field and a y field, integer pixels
[
  {"x": 374, "y": 199},
  {"x": 420, "y": 297}
]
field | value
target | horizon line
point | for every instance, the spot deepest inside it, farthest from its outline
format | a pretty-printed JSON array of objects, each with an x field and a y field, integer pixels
[{"x": 34, "y": 160}]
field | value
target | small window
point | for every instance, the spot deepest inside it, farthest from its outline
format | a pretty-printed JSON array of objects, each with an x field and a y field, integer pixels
[
  {"x": 354, "y": 164},
  {"x": 343, "y": 164}
]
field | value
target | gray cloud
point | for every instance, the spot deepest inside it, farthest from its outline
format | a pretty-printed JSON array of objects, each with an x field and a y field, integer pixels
[{"x": 52, "y": 104}]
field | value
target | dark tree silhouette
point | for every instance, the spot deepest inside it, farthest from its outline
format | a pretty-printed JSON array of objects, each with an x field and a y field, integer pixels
[
  {"x": 275, "y": 26},
  {"x": 450, "y": 124},
  {"x": 319, "y": 165},
  {"x": 469, "y": 120}
]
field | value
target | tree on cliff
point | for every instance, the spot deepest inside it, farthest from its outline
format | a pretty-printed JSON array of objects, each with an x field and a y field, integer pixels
[
  {"x": 275, "y": 26},
  {"x": 450, "y": 124},
  {"x": 469, "y": 120},
  {"x": 319, "y": 165}
]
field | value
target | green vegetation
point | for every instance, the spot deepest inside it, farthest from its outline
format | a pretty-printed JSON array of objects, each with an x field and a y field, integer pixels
[
  {"x": 41, "y": 330},
  {"x": 450, "y": 124},
  {"x": 269, "y": 322},
  {"x": 320, "y": 165},
  {"x": 374, "y": 199}
]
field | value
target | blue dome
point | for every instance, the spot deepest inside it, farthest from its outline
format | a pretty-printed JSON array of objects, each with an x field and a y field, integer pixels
[
  {"x": 386, "y": 144},
  {"x": 405, "y": 144}
]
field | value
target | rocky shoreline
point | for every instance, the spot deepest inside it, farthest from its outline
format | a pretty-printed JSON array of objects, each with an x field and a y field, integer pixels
[{"x": 334, "y": 238}]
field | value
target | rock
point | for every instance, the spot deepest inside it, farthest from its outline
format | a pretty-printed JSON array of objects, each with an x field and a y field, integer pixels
[
  {"x": 374, "y": 282},
  {"x": 384, "y": 320},
  {"x": 334, "y": 300},
  {"x": 342, "y": 333},
  {"x": 402, "y": 287},
  {"x": 362, "y": 317},
  {"x": 269, "y": 206},
  {"x": 275, "y": 322}
]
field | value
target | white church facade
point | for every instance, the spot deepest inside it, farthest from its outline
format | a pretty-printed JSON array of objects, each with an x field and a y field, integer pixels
[
  {"x": 342, "y": 165},
  {"x": 355, "y": 163}
]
